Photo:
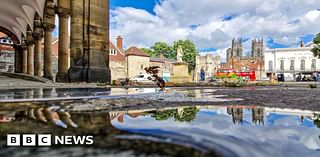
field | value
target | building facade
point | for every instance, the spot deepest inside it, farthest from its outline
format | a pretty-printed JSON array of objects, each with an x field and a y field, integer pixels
[
  {"x": 206, "y": 66},
  {"x": 137, "y": 60},
  {"x": 253, "y": 62},
  {"x": 166, "y": 67},
  {"x": 7, "y": 54},
  {"x": 291, "y": 63},
  {"x": 117, "y": 60}
]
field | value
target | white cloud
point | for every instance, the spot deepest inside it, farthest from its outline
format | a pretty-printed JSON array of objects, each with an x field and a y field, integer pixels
[{"x": 284, "y": 21}]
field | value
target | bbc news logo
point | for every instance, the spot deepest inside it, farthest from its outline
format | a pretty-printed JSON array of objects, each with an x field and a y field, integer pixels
[{"x": 47, "y": 140}]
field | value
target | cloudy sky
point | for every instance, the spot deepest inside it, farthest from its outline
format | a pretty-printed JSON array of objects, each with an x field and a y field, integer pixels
[{"x": 211, "y": 24}]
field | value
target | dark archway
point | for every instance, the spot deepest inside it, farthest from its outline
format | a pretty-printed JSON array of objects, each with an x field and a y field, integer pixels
[{"x": 13, "y": 37}]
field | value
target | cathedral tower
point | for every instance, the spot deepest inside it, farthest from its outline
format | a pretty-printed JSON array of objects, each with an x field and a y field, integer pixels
[
  {"x": 257, "y": 50},
  {"x": 237, "y": 48}
]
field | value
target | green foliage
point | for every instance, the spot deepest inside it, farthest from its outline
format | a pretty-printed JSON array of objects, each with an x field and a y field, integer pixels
[
  {"x": 164, "y": 115},
  {"x": 149, "y": 52},
  {"x": 234, "y": 76},
  {"x": 189, "y": 52},
  {"x": 162, "y": 47},
  {"x": 188, "y": 115},
  {"x": 170, "y": 52},
  {"x": 316, "y": 47}
]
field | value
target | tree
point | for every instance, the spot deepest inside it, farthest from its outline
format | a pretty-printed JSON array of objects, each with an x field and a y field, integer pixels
[
  {"x": 149, "y": 52},
  {"x": 189, "y": 52},
  {"x": 162, "y": 47},
  {"x": 316, "y": 47}
]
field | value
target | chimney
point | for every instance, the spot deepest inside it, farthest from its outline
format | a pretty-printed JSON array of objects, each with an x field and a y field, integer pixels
[
  {"x": 119, "y": 43},
  {"x": 301, "y": 44}
]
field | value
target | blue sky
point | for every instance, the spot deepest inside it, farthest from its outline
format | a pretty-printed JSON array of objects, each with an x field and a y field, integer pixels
[
  {"x": 139, "y": 4},
  {"x": 211, "y": 25}
]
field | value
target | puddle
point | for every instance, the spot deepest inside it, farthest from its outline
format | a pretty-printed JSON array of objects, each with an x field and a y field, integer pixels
[
  {"x": 198, "y": 130},
  {"x": 156, "y": 129},
  {"x": 230, "y": 131},
  {"x": 46, "y": 94}
]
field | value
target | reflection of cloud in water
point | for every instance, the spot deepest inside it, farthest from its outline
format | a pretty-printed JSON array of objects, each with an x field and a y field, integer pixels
[{"x": 284, "y": 136}]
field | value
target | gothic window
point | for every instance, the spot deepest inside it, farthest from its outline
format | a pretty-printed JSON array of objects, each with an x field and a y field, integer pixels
[
  {"x": 292, "y": 65},
  {"x": 302, "y": 64},
  {"x": 270, "y": 66},
  {"x": 313, "y": 64},
  {"x": 238, "y": 52},
  {"x": 259, "y": 52},
  {"x": 282, "y": 65}
]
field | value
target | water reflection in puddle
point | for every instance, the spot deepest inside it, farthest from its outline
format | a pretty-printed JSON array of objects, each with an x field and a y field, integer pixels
[
  {"x": 242, "y": 131},
  {"x": 229, "y": 131},
  {"x": 232, "y": 131},
  {"x": 43, "y": 94}
]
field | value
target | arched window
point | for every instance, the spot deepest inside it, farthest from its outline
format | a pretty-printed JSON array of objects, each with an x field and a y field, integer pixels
[
  {"x": 282, "y": 65},
  {"x": 258, "y": 52},
  {"x": 313, "y": 64},
  {"x": 292, "y": 65},
  {"x": 238, "y": 52},
  {"x": 303, "y": 64},
  {"x": 141, "y": 66},
  {"x": 270, "y": 66}
]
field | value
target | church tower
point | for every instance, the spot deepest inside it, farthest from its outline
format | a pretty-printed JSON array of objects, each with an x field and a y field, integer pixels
[
  {"x": 257, "y": 50},
  {"x": 237, "y": 48}
]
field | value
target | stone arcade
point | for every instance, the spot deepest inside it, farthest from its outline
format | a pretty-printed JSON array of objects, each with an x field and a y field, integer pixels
[{"x": 27, "y": 22}]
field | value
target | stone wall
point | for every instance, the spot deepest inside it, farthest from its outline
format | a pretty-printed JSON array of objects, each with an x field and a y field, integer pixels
[
  {"x": 136, "y": 65},
  {"x": 118, "y": 70},
  {"x": 208, "y": 63}
]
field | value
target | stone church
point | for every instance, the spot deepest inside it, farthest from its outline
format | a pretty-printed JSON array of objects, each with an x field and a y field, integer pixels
[{"x": 240, "y": 62}]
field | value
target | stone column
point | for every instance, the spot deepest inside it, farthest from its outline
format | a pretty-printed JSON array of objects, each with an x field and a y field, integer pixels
[
  {"x": 17, "y": 58},
  {"x": 30, "y": 49},
  {"x": 63, "y": 56},
  {"x": 77, "y": 61},
  {"x": 24, "y": 58},
  {"x": 37, "y": 35},
  {"x": 48, "y": 28},
  {"x": 90, "y": 52}
]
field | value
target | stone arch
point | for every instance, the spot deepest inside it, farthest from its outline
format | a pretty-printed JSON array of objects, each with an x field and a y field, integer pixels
[
  {"x": 30, "y": 13},
  {"x": 12, "y": 35}
]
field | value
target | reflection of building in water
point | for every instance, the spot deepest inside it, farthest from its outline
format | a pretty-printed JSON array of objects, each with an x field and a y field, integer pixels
[
  {"x": 258, "y": 115},
  {"x": 236, "y": 113},
  {"x": 119, "y": 115},
  {"x": 6, "y": 117}
]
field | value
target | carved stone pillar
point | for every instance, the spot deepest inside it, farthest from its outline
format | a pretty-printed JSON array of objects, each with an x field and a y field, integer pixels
[
  {"x": 24, "y": 57},
  {"x": 17, "y": 58},
  {"x": 63, "y": 56},
  {"x": 48, "y": 28},
  {"x": 30, "y": 49},
  {"x": 77, "y": 61},
  {"x": 37, "y": 36},
  {"x": 89, "y": 41}
]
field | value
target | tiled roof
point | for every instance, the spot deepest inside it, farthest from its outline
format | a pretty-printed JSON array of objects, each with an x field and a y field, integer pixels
[
  {"x": 120, "y": 55},
  {"x": 134, "y": 51},
  {"x": 152, "y": 59}
]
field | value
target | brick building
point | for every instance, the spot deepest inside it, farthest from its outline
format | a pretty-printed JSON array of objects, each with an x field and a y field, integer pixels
[
  {"x": 117, "y": 60},
  {"x": 239, "y": 62}
]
